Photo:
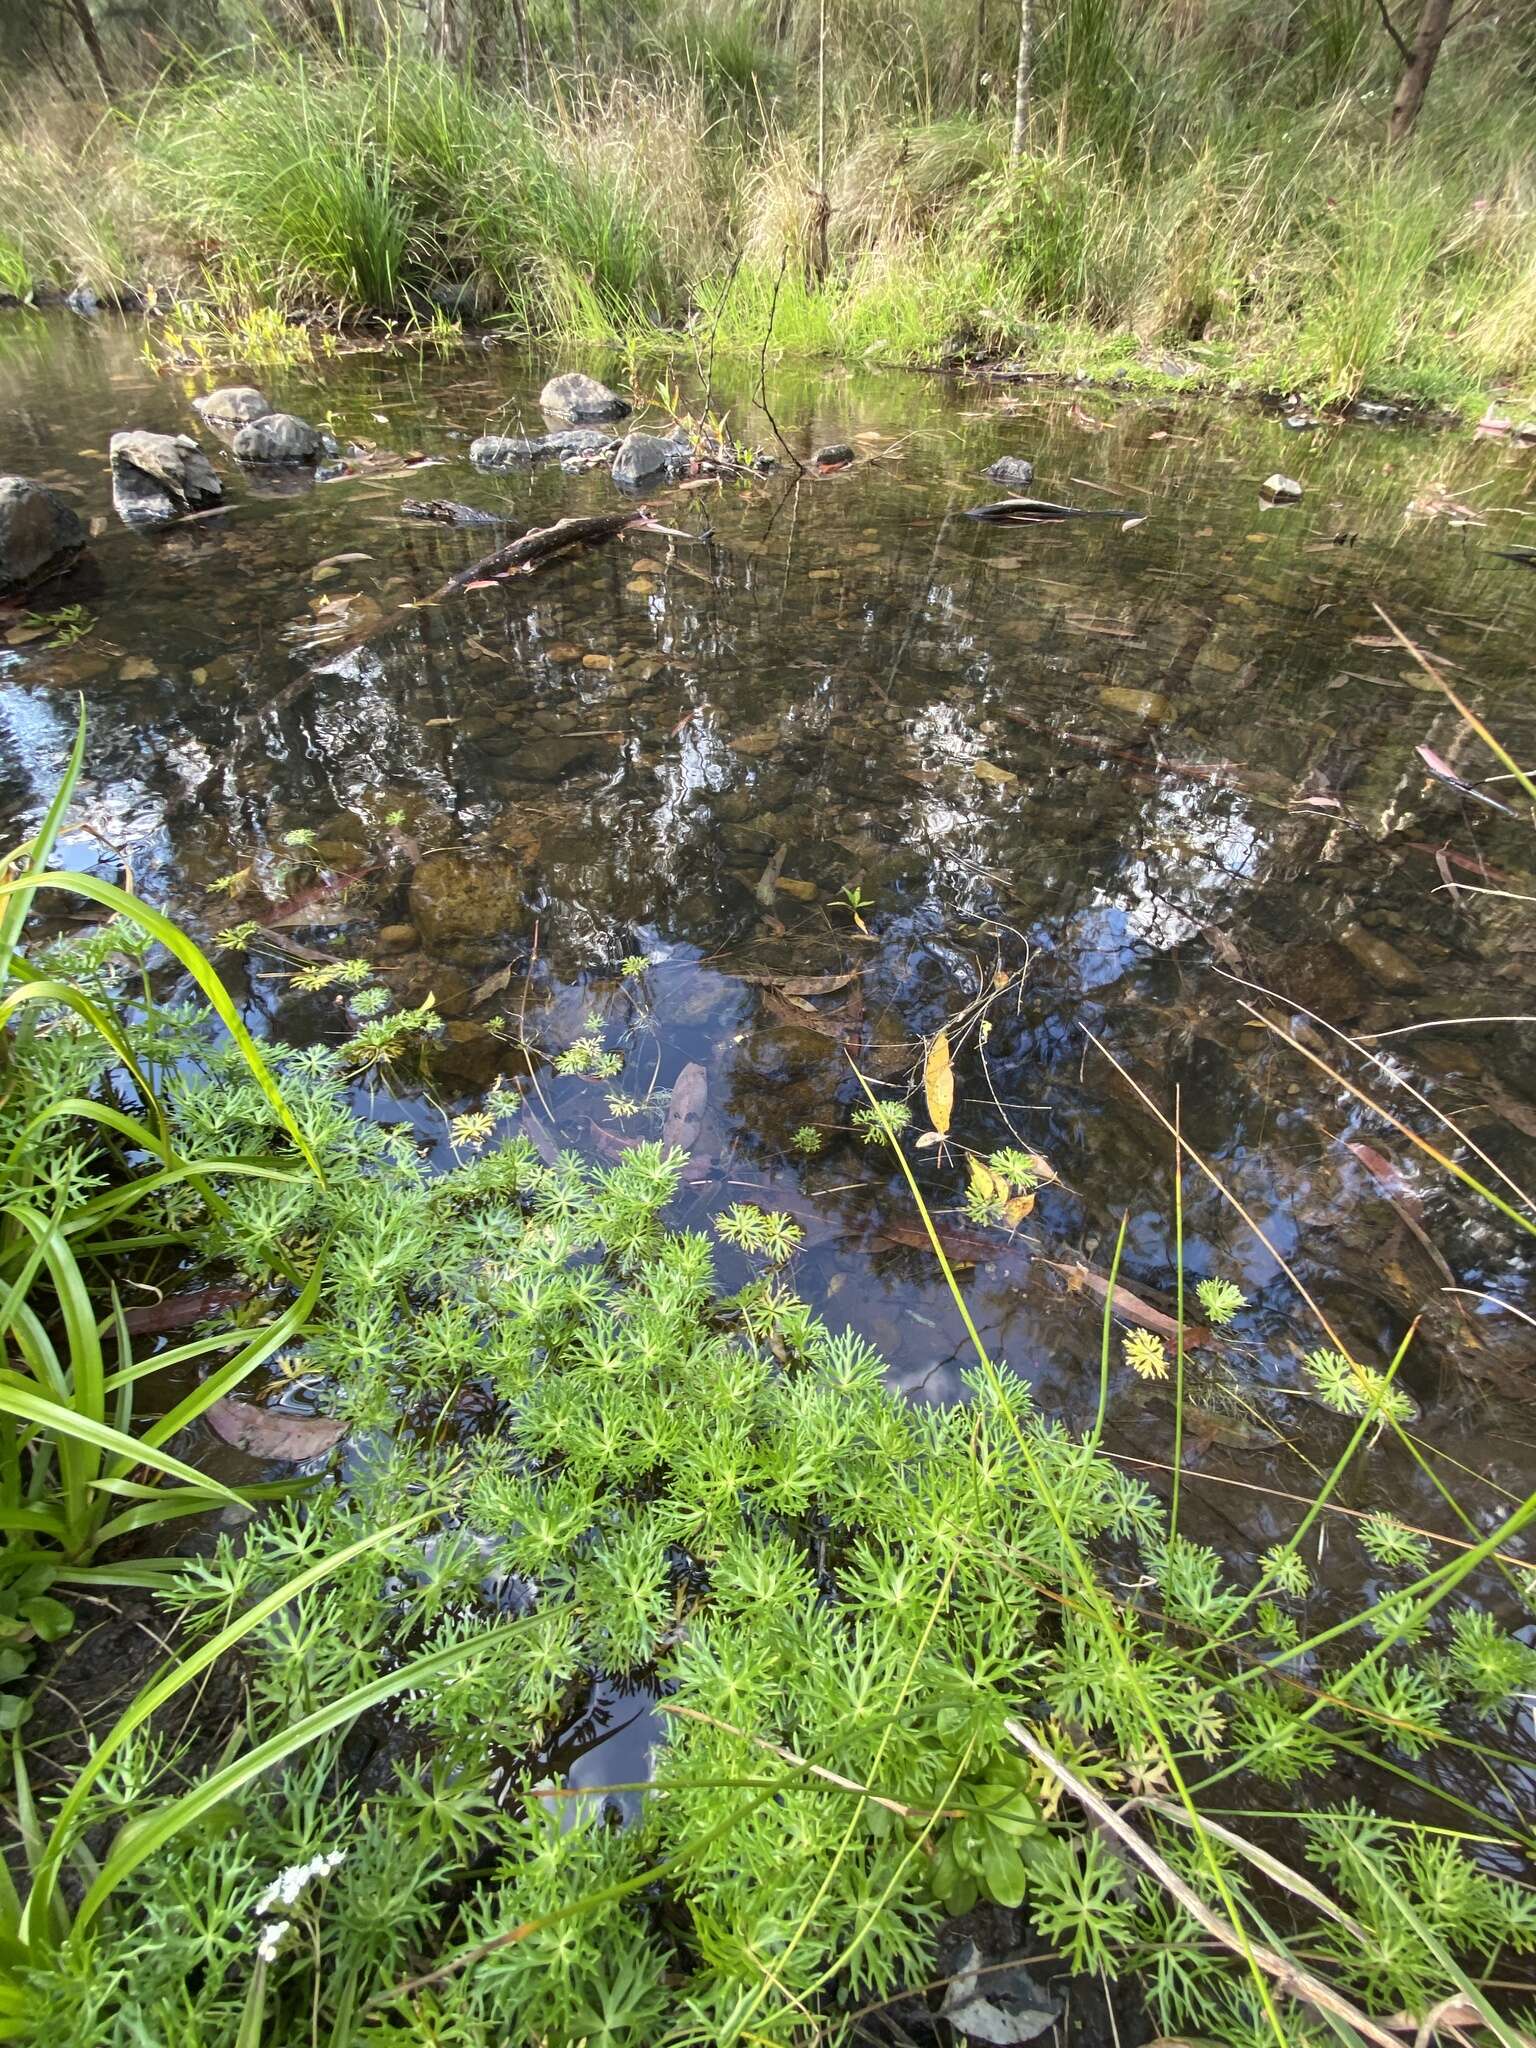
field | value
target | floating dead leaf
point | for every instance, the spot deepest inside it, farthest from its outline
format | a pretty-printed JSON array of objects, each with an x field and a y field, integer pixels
[
  {"x": 803, "y": 984},
  {"x": 179, "y": 1311},
  {"x": 798, "y": 887},
  {"x": 960, "y": 1247},
  {"x": 480, "y": 583},
  {"x": 1017, "y": 1209},
  {"x": 988, "y": 771},
  {"x": 335, "y": 561},
  {"x": 439, "y": 721},
  {"x": 23, "y": 636},
  {"x": 841, "y": 1023},
  {"x": 685, "y": 1112},
  {"x": 492, "y": 985},
  {"x": 640, "y": 586},
  {"x": 984, "y": 1182},
  {"x": 1439, "y": 767},
  {"x": 939, "y": 1083},
  {"x": 1130, "y": 1307},
  {"x": 273, "y": 1432},
  {"x": 927, "y": 1141},
  {"x": 138, "y": 668},
  {"x": 1126, "y": 525}
]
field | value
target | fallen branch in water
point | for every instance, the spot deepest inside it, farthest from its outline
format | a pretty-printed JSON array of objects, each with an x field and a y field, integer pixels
[{"x": 529, "y": 551}]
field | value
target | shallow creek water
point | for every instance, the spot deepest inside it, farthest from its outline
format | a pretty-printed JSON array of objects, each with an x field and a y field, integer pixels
[{"x": 1100, "y": 775}]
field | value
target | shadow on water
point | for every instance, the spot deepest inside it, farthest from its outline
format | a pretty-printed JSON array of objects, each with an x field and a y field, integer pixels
[{"x": 1053, "y": 780}]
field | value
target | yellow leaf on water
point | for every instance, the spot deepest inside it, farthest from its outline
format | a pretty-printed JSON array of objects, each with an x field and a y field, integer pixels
[
  {"x": 939, "y": 1083},
  {"x": 1017, "y": 1210},
  {"x": 985, "y": 1181}
]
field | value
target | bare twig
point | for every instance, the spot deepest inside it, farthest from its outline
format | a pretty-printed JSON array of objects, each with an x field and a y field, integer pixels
[{"x": 1392, "y": 30}]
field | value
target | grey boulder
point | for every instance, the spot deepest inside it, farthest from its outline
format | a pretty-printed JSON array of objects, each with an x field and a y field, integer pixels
[
  {"x": 574, "y": 396},
  {"x": 646, "y": 459},
  {"x": 232, "y": 405},
  {"x": 39, "y": 531},
  {"x": 278, "y": 437},
  {"x": 1012, "y": 469},
  {"x": 160, "y": 476}
]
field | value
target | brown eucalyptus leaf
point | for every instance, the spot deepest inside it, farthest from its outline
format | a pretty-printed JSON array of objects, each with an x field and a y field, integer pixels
[
  {"x": 803, "y": 984},
  {"x": 685, "y": 1111},
  {"x": 273, "y": 1432},
  {"x": 1131, "y": 1308},
  {"x": 177, "y": 1311}
]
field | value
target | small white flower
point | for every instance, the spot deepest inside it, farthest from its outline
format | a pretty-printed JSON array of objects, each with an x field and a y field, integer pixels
[
  {"x": 272, "y": 1939},
  {"x": 289, "y": 1886}
]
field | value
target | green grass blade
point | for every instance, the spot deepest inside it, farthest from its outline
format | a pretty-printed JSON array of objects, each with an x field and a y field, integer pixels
[
  {"x": 197, "y": 964},
  {"x": 36, "y": 1916},
  {"x": 18, "y": 1398},
  {"x": 37, "y": 852},
  {"x": 150, "y": 1834}
]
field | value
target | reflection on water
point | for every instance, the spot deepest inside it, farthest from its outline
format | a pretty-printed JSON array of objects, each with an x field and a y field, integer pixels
[{"x": 1050, "y": 785}]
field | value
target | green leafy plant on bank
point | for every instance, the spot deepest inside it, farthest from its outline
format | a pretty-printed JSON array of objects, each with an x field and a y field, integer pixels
[
  {"x": 97, "y": 1193},
  {"x": 846, "y": 1605},
  {"x": 902, "y": 1658}
]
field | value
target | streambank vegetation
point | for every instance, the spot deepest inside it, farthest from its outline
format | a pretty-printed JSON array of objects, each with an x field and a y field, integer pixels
[
  {"x": 905, "y": 1664},
  {"x": 1288, "y": 198}
]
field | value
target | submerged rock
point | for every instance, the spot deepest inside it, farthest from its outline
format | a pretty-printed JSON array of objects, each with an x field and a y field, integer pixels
[
  {"x": 278, "y": 437},
  {"x": 232, "y": 405},
  {"x": 39, "y": 531},
  {"x": 521, "y": 451},
  {"x": 508, "y": 451},
  {"x": 580, "y": 441},
  {"x": 159, "y": 476},
  {"x": 575, "y": 396},
  {"x": 1016, "y": 470},
  {"x": 462, "y": 903},
  {"x": 836, "y": 455},
  {"x": 646, "y": 458}
]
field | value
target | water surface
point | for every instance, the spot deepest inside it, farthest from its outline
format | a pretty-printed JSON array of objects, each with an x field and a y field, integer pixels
[{"x": 1088, "y": 784}]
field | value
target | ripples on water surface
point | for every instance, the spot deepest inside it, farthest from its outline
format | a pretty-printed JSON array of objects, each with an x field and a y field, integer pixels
[{"x": 1116, "y": 767}]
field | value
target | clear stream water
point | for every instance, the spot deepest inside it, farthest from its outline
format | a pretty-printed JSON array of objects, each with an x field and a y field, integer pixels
[{"x": 1118, "y": 767}]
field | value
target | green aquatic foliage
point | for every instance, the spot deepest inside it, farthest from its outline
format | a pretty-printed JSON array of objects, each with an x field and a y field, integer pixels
[
  {"x": 1220, "y": 1299},
  {"x": 881, "y": 1123},
  {"x": 586, "y": 1056},
  {"x": 1354, "y": 1389},
  {"x": 842, "y": 1601}
]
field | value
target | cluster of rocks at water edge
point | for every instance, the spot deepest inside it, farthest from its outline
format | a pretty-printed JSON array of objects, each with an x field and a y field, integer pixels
[
  {"x": 155, "y": 478},
  {"x": 636, "y": 461}
]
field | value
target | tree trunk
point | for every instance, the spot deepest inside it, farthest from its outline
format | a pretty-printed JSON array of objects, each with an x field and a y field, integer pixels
[
  {"x": 577, "y": 38},
  {"x": 1422, "y": 58},
  {"x": 1021, "y": 80},
  {"x": 81, "y": 10}
]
